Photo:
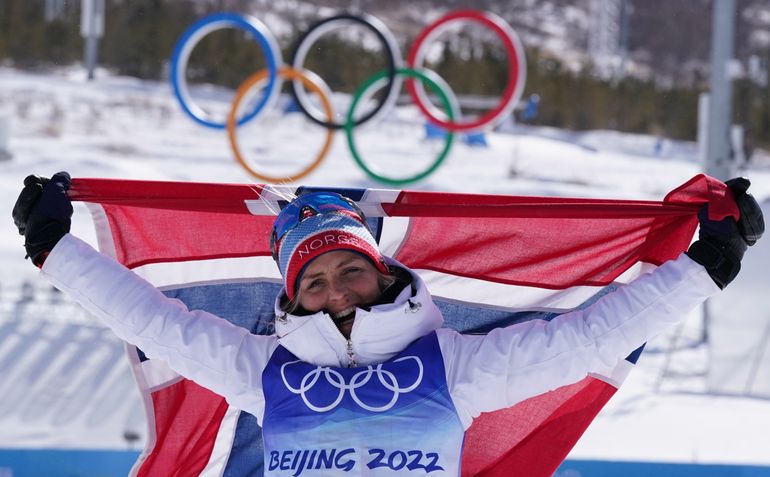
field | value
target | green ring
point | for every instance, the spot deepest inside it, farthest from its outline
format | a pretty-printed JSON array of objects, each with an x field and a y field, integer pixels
[{"x": 349, "y": 125}]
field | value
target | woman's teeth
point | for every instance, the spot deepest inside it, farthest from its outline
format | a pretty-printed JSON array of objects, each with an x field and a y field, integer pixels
[{"x": 342, "y": 315}]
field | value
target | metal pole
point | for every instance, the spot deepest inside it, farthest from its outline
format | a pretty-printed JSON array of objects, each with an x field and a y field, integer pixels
[
  {"x": 91, "y": 28},
  {"x": 719, "y": 163},
  {"x": 91, "y": 48},
  {"x": 5, "y": 126},
  {"x": 704, "y": 102},
  {"x": 625, "y": 14},
  {"x": 718, "y": 156}
]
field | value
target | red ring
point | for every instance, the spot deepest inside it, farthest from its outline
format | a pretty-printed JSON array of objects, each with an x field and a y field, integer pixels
[{"x": 513, "y": 65}]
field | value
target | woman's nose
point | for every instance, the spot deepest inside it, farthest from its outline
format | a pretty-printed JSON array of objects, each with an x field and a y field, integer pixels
[{"x": 337, "y": 290}]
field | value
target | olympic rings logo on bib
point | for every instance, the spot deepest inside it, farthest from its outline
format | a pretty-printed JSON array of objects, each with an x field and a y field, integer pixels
[
  {"x": 391, "y": 78},
  {"x": 387, "y": 381}
]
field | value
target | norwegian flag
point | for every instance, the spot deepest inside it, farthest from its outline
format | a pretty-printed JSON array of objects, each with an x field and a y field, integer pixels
[{"x": 489, "y": 261}]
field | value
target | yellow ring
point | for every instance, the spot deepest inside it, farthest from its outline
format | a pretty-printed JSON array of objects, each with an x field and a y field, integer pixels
[{"x": 291, "y": 74}]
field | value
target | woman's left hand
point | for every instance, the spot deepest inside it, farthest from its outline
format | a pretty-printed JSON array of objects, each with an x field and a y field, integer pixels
[{"x": 721, "y": 244}]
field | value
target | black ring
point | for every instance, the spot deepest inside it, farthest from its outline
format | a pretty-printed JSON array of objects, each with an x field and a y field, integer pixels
[{"x": 362, "y": 19}]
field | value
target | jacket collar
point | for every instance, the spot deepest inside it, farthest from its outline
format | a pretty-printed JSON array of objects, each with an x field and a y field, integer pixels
[{"x": 378, "y": 333}]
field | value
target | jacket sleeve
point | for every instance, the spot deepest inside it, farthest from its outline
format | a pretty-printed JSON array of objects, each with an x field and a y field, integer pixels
[
  {"x": 511, "y": 364},
  {"x": 209, "y": 350}
]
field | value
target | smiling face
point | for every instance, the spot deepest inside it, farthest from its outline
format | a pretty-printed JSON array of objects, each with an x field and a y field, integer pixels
[{"x": 337, "y": 282}]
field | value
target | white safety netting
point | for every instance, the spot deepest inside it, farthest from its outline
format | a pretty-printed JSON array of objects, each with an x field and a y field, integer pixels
[
  {"x": 65, "y": 379},
  {"x": 739, "y": 328}
]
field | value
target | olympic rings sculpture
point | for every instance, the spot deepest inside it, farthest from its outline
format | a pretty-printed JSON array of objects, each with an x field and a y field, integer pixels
[
  {"x": 387, "y": 379},
  {"x": 390, "y": 79}
]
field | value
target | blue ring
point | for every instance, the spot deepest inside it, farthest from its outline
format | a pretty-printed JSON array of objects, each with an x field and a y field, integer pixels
[{"x": 227, "y": 20}]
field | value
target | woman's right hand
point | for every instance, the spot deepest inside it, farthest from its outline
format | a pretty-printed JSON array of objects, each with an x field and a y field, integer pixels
[{"x": 43, "y": 213}]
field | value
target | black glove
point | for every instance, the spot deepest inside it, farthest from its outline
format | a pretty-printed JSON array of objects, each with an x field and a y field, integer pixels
[
  {"x": 721, "y": 244},
  {"x": 43, "y": 214}
]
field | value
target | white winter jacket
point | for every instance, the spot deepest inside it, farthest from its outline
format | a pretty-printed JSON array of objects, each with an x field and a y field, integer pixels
[{"x": 483, "y": 372}]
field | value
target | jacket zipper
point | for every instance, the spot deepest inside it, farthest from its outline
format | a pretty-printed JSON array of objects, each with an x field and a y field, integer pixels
[{"x": 351, "y": 356}]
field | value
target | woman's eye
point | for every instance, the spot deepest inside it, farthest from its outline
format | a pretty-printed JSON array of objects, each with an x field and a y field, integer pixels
[
  {"x": 350, "y": 270},
  {"x": 315, "y": 285}
]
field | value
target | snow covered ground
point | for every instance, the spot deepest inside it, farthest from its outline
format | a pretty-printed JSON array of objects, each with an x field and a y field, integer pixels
[{"x": 675, "y": 407}]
